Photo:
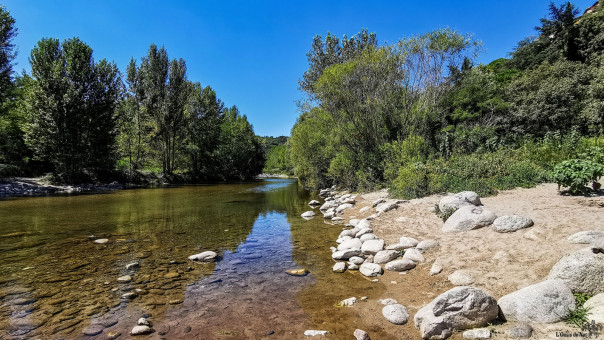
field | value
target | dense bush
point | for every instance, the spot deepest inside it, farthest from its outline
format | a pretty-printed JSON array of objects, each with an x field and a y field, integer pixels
[{"x": 576, "y": 174}]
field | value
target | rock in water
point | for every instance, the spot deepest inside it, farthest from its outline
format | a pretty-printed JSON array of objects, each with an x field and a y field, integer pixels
[
  {"x": 581, "y": 271},
  {"x": 314, "y": 203},
  {"x": 124, "y": 279},
  {"x": 206, "y": 256},
  {"x": 478, "y": 333},
  {"x": 396, "y": 314},
  {"x": 348, "y": 302},
  {"x": 93, "y": 330},
  {"x": 468, "y": 218},
  {"x": 400, "y": 265},
  {"x": 141, "y": 330},
  {"x": 460, "y": 308},
  {"x": 101, "y": 241},
  {"x": 360, "y": 334},
  {"x": 308, "y": 214},
  {"x": 312, "y": 332},
  {"x": 371, "y": 269},
  {"x": 456, "y": 201},
  {"x": 511, "y": 223},
  {"x": 339, "y": 267},
  {"x": 545, "y": 302},
  {"x": 132, "y": 265},
  {"x": 297, "y": 272}
]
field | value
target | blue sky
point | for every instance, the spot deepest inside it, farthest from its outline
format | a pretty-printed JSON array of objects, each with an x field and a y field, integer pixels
[{"x": 253, "y": 52}]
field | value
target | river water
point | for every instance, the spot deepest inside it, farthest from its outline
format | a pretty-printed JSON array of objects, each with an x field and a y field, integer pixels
[{"x": 57, "y": 283}]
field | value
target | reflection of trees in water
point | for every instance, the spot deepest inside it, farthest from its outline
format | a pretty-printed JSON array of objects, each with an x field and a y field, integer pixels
[{"x": 152, "y": 226}]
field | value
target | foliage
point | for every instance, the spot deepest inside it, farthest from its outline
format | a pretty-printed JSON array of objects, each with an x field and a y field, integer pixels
[
  {"x": 311, "y": 147},
  {"x": 578, "y": 316},
  {"x": 576, "y": 174},
  {"x": 277, "y": 161},
  {"x": 71, "y": 103},
  {"x": 444, "y": 215}
]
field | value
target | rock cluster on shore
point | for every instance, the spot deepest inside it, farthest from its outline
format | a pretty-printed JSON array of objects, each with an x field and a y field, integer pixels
[{"x": 466, "y": 308}]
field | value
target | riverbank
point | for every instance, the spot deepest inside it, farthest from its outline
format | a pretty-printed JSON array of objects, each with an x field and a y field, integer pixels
[
  {"x": 495, "y": 262},
  {"x": 37, "y": 186}
]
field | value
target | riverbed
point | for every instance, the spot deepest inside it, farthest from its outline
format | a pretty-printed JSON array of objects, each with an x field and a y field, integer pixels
[{"x": 57, "y": 282}]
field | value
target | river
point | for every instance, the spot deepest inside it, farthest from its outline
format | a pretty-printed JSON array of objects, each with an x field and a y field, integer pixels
[{"x": 56, "y": 282}]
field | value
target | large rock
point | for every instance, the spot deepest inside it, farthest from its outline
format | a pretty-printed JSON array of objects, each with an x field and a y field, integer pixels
[
  {"x": 426, "y": 245},
  {"x": 327, "y": 205},
  {"x": 364, "y": 223},
  {"x": 314, "y": 203},
  {"x": 339, "y": 267},
  {"x": 372, "y": 246},
  {"x": 371, "y": 269},
  {"x": 414, "y": 255},
  {"x": 350, "y": 244},
  {"x": 345, "y": 254},
  {"x": 594, "y": 237},
  {"x": 595, "y": 308},
  {"x": 400, "y": 265},
  {"x": 457, "y": 309},
  {"x": 545, "y": 302},
  {"x": 511, "y": 223},
  {"x": 363, "y": 232},
  {"x": 456, "y": 201},
  {"x": 385, "y": 207},
  {"x": 396, "y": 314},
  {"x": 343, "y": 207},
  {"x": 378, "y": 202},
  {"x": 581, "y": 271},
  {"x": 385, "y": 256},
  {"x": 206, "y": 256},
  {"x": 356, "y": 260},
  {"x": 367, "y": 237},
  {"x": 468, "y": 218},
  {"x": 141, "y": 330},
  {"x": 408, "y": 242}
]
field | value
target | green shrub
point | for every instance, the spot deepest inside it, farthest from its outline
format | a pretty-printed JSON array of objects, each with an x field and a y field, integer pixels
[
  {"x": 578, "y": 317},
  {"x": 576, "y": 174},
  {"x": 411, "y": 182}
]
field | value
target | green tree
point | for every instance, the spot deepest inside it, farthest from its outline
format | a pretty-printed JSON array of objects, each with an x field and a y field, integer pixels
[
  {"x": 239, "y": 153},
  {"x": 277, "y": 161},
  {"x": 72, "y": 102},
  {"x": 205, "y": 116},
  {"x": 332, "y": 51}
]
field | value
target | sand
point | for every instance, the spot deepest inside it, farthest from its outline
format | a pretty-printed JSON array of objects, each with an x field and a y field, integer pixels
[{"x": 500, "y": 263}]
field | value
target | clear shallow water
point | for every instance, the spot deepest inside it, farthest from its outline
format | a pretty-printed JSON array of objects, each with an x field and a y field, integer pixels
[{"x": 55, "y": 282}]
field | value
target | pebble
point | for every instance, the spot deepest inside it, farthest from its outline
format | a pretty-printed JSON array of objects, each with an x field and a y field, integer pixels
[
  {"x": 129, "y": 296},
  {"x": 187, "y": 329},
  {"x": 92, "y": 330},
  {"x": 312, "y": 332},
  {"x": 113, "y": 335},
  {"x": 101, "y": 241},
  {"x": 387, "y": 301},
  {"x": 124, "y": 279},
  {"x": 339, "y": 267},
  {"x": 143, "y": 322},
  {"x": 141, "y": 330},
  {"x": 297, "y": 272},
  {"x": 172, "y": 275},
  {"x": 478, "y": 333},
  {"x": 132, "y": 265},
  {"x": 396, "y": 314},
  {"x": 360, "y": 334},
  {"x": 348, "y": 302}
]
